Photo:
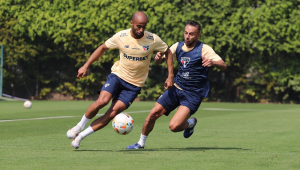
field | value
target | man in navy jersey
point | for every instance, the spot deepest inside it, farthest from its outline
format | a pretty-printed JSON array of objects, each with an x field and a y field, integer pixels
[{"x": 190, "y": 87}]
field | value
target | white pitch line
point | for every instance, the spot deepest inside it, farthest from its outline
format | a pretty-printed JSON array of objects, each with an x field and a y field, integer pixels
[
  {"x": 142, "y": 111},
  {"x": 41, "y": 118},
  {"x": 59, "y": 117}
]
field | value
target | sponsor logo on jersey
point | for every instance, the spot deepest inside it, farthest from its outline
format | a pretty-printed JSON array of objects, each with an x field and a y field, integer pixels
[
  {"x": 135, "y": 48},
  {"x": 185, "y": 75},
  {"x": 185, "y": 61},
  {"x": 135, "y": 58},
  {"x": 126, "y": 46},
  {"x": 150, "y": 37},
  {"x": 106, "y": 85},
  {"x": 146, "y": 47},
  {"x": 123, "y": 34}
]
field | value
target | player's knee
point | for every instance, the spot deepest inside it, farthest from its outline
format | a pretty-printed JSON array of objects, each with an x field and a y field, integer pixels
[
  {"x": 154, "y": 114},
  {"x": 102, "y": 102},
  {"x": 174, "y": 127}
]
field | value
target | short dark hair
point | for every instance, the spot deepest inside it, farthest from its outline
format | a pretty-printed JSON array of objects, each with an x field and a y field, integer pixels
[{"x": 194, "y": 23}]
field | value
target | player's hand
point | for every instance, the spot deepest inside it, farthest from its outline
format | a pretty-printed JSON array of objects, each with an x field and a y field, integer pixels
[
  {"x": 81, "y": 72},
  {"x": 169, "y": 82},
  {"x": 206, "y": 62},
  {"x": 158, "y": 56}
]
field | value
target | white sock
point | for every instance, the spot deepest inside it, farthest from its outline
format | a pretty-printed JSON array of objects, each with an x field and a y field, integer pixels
[
  {"x": 191, "y": 122},
  {"x": 142, "y": 140},
  {"x": 86, "y": 132},
  {"x": 83, "y": 122}
]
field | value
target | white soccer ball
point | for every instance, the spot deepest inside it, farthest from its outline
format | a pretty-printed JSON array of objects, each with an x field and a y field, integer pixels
[
  {"x": 123, "y": 123},
  {"x": 27, "y": 104}
]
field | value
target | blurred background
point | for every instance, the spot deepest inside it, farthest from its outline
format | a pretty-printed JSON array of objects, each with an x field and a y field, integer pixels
[{"x": 45, "y": 42}]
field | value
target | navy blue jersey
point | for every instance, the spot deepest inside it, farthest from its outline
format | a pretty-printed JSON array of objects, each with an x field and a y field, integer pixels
[{"x": 192, "y": 76}]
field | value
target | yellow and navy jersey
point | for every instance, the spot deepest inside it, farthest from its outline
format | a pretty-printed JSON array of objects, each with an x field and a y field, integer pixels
[
  {"x": 207, "y": 51},
  {"x": 192, "y": 76},
  {"x": 135, "y": 55}
]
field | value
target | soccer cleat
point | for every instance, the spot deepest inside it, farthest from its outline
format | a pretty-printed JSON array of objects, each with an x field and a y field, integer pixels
[
  {"x": 76, "y": 142},
  {"x": 135, "y": 146},
  {"x": 73, "y": 132},
  {"x": 189, "y": 131}
]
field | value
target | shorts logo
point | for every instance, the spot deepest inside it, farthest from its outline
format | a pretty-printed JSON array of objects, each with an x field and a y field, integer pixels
[
  {"x": 106, "y": 85},
  {"x": 185, "y": 61},
  {"x": 129, "y": 103},
  {"x": 126, "y": 46},
  {"x": 146, "y": 47}
]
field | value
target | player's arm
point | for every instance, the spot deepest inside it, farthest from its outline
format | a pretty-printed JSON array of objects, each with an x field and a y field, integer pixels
[
  {"x": 160, "y": 57},
  {"x": 169, "y": 59},
  {"x": 95, "y": 56},
  {"x": 220, "y": 64},
  {"x": 210, "y": 58}
]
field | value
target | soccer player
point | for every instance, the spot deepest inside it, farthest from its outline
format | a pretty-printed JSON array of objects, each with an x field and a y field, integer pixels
[
  {"x": 190, "y": 87},
  {"x": 128, "y": 75}
]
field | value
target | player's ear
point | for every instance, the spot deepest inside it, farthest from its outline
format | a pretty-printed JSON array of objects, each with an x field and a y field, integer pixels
[
  {"x": 131, "y": 23},
  {"x": 199, "y": 35}
]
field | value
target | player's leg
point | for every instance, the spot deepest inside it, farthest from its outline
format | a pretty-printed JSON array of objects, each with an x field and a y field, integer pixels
[
  {"x": 109, "y": 89},
  {"x": 179, "y": 120},
  {"x": 122, "y": 100},
  {"x": 103, "y": 99},
  {"x": 164, "y": 105},
  {"x": 115, "y": 108},
  {"x": 156, "y": 112},
  {"x": 189, "y": 102}
]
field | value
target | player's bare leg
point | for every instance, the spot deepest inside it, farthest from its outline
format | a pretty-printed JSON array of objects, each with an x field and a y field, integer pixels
[
  {"x": 115, "y": 108},
  {"x": 179, "y": 121},
  {"x": 103, "y": 99},
  {"x": 156, "y": 112}
]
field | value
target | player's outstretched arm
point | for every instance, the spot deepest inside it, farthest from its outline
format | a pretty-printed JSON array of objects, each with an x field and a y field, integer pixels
[
  {"x": 95, "y": 56},
  {"x": 170, "y": 80}
]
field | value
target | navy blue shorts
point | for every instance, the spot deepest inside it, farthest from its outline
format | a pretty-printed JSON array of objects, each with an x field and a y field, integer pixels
[
  {"x": 172, "y": 98},
  {"x": 120, "y": 89}
]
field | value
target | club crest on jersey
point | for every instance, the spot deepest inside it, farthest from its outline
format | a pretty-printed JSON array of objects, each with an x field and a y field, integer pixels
[
  {"x": 106, "y": 85},
  {"x": 185, "y": 61},
  {"x": 146, "y": 47}
]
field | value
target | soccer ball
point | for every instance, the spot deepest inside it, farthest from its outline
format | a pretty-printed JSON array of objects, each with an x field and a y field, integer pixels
[
  {"x": 123, "y": 123},
  {"x": 27, "y": 104}
]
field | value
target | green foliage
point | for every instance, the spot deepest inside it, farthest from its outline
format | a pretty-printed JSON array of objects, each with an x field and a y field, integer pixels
[{"x": 47, "y": 41}]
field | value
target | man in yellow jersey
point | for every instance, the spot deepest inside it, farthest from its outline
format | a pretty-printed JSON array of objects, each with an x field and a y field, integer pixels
[
  {"x": 191, "y": 84},
  {"x": 128, "y": 75}
]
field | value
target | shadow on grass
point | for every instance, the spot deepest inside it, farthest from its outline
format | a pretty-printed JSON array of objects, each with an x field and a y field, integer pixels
[{"x": 168, "y": 149}]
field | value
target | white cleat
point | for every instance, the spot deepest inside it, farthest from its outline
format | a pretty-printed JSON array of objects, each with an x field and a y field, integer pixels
[
  {"x": 73, "y": 132},
  {"x": 76, "y": 142}
]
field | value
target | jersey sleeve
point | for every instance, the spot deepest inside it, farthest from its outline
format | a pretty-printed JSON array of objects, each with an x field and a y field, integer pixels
[
  {"x": 160, "y": 45},
  {"x": 173, "y": 50},
  {"x": 208, "y": 52},
  {"x": 112, "y": 42}
]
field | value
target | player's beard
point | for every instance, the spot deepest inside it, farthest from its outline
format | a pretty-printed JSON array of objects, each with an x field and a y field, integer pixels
[
  {"x": 136, "y": 35},
  {"x": 189, "y": 42}
]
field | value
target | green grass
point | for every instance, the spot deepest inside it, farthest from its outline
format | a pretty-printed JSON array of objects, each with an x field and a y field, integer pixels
[{"x": 245, "y": 136}]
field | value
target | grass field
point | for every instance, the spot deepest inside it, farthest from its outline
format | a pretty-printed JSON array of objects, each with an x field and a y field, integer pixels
[{"x": 229, "y": 136}]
